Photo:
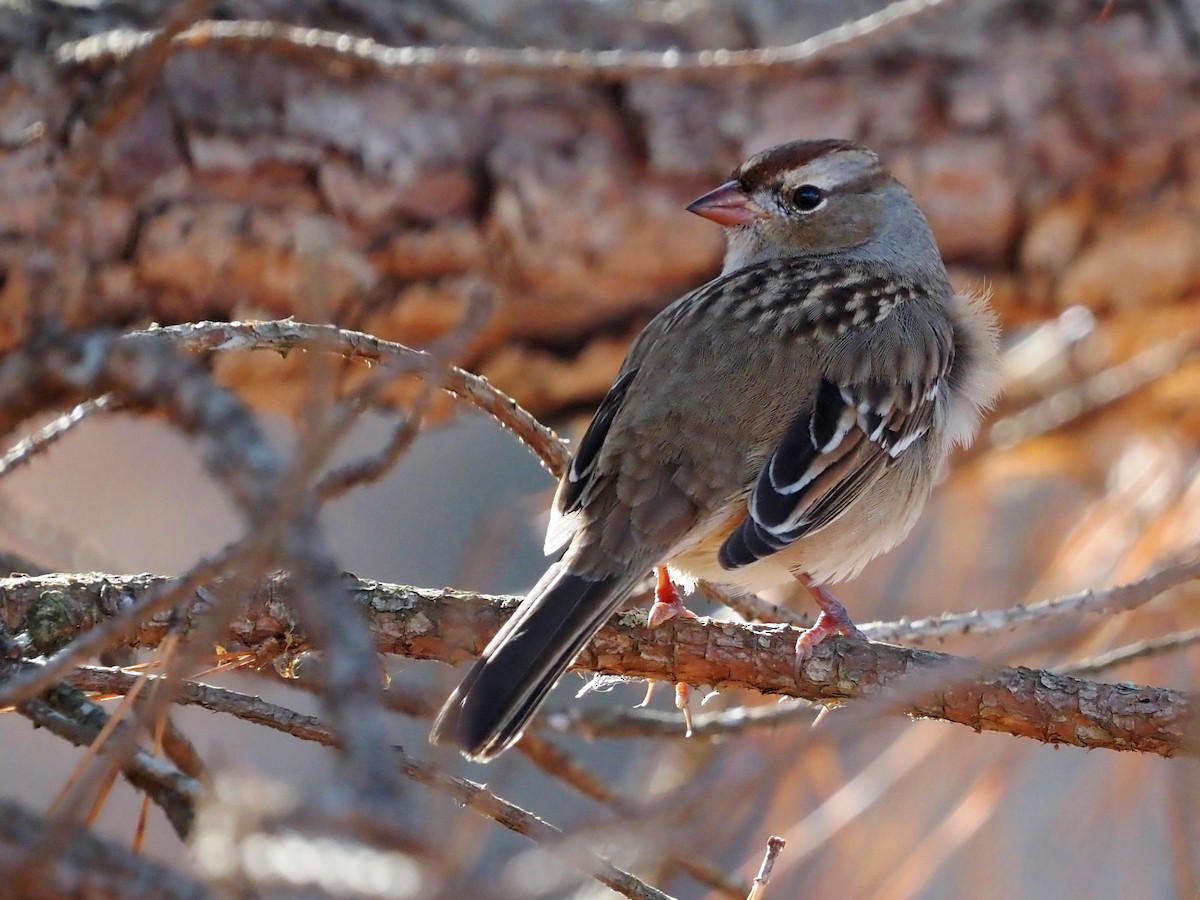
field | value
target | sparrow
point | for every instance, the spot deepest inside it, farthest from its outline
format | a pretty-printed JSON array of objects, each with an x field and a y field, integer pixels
[{"x": 785, "y": 421}]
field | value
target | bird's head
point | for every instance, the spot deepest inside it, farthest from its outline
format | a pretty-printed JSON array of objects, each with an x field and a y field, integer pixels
[{"x": 809, "y": 198}]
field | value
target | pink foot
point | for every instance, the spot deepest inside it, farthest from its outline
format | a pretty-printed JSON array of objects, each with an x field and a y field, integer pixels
[
  {"x": 649, "y": 694},
  {"x": 683, "y": 703},
  {"x": 834, "y": 619},
  {"x": 667, "y": 604}
]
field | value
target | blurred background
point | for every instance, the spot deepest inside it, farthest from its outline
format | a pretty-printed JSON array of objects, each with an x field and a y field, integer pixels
[{"x": 1053, "y": 147}]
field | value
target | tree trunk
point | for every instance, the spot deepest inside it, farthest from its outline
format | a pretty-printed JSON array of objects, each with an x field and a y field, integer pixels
[{"x": 1052, "y": 147}]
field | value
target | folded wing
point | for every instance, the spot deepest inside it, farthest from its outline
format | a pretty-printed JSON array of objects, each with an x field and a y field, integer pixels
[{"x": 836, "y": 449}]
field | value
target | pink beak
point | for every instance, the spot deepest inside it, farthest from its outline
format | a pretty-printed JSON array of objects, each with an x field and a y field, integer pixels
[{"x": 727, "y": 205}]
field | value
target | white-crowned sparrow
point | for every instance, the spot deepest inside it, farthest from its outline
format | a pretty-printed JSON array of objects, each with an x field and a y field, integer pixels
[{"x": 786, "y": 420}]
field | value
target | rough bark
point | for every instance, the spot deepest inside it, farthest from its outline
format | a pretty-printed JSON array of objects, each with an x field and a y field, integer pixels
[
  {"x": 450, "y": 626},
  {"x": 1052, "y": 147}
]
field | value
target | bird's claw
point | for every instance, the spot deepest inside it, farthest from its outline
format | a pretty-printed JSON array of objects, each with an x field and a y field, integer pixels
[
  {"x": 667, "y": 602},
  {"x": 661, "y": 612},
  {"x": 828, "y": 624}
]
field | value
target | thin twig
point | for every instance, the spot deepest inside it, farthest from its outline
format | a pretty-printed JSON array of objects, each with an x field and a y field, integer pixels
[
  {"x": 609, "y": 722},
  {"x": 1092, "y": 394},
  {"x": 27, "y": 448},
  {"x": 759, "y": 889},
  {"x": 85, "y": 863},
  {"x": 435, "y": 368},
  {"x": 156, "y": 748},
  {"x": 1140, "y": 650},
  {"x": 751, "y": 607},
  {"x": 347, "y": 52},
  {"x": 57, "y": 368},
  {"x": 558, "y": 764},
  {"x": 309, "y": 728},
  {"x": 67, "y": 713},
  {"x": 176, "y": 793},
  {"x": 141, "y": 74},
  {"x": 1120, "y": 598},
  {"x": 68, "y": 789},
  {"x": 286, "y": 336}
]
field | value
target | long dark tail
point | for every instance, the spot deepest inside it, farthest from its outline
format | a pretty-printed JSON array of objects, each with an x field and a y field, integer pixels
[{"x": 489, "y": 710}]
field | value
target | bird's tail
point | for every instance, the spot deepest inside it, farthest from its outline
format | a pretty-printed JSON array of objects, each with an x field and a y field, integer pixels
[{"x": 505, "y": 687}]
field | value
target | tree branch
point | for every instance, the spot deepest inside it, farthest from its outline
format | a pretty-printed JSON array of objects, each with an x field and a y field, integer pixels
[
  {"x": 309, "y": 728},
  {"x": 31, "y": 445},
  {"x": 663, "y": 725},
  {"x": 349, "y": 53},
  {"x": 85, "y": 866},
  {"x": 452, "y": 626},
  {"x": 66, "y": 712},
  {"x": 1119, "y": 598},
  {"x": 283, "y": 336},
  {"x": 1168, "y": 643},
  {"x": 56, "y": 368}
]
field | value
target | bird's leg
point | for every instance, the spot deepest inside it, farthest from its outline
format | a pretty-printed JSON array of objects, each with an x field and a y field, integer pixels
[
  {"x": 683, "y": 703},
  {"x": 667, "y": 604},
  {"x": 649, "y": 695},
  {"x": 834, "y": 619}
]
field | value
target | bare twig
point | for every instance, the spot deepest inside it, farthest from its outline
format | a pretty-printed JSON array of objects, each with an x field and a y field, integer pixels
[
  {"x": 84, "y": 865},
  {"x": 309, "y": 728},
  {"x": 648, "y": 723},
  {"x": 176, "y": 793},
  {"x": 1092, "y": 394},
  {"x": 554, "y": 762},
  {"x": 774, "y": 846},
  {"x": 1140, "y": 650},
  {"x": 58, "y": 368},
  {"x": 435, "y": 365},
  {"x": 1120, "y": 598},
  {"x": 452, "y": 626},
  {"x": 751, "y": 607},
  {"x": 27, "y": 448},
  {"x": 141, "y": 74},
  {"x": 285, "y": 336},
  {"x": 68, "y": 714},
  {"x": 346, "y": 52},
  {"x": 71, "y": 795}
]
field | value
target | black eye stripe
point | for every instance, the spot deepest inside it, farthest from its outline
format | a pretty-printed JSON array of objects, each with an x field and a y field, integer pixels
[{"x": 807, "y": 197}]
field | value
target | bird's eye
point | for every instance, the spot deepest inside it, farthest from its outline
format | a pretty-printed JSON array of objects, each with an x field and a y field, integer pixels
[{"x": 807, "y": 197}]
